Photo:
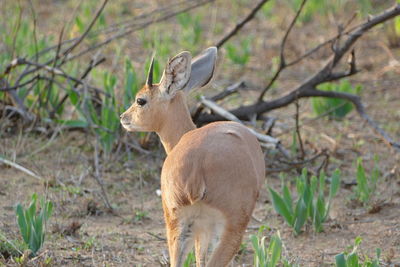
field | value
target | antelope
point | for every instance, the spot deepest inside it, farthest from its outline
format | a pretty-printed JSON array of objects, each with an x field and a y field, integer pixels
[{"x": 211, "y": 176}]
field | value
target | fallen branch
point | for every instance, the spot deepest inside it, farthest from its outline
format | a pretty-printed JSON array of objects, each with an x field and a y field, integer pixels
[
  {"x": 267, "y": 141},
  {"x": 227, "y": 92},
  {"x": 19, "y": 167}
]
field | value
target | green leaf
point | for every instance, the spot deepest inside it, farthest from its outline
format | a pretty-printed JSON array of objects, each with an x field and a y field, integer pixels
[
  {"x": 280, "y": 207},
  {"x": 74, "y": 123},
  {"x": 23, "y": 227},
  {"x": 362, "y": 184},
  {"x": 319, "y": 213},
  {"x": 287, "y": 198},
  {"x": 301, "y": 215},
  {"x": 352, "y": 260},
  {"x": 275, "y": 250},
  {"x": 335, "y": 183},
  {"x": 340, "y": 260}
]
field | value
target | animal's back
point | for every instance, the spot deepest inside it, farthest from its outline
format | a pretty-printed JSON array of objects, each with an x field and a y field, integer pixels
[{"x": 212, "y": 164}]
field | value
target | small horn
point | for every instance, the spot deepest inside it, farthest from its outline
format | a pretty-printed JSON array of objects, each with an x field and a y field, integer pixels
[{"x": 149, "y": 80}]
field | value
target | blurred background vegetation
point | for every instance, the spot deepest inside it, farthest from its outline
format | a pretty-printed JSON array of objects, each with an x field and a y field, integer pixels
[{"x": 69, "y": 68}]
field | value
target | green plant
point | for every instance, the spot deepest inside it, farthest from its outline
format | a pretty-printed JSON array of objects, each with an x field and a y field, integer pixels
[
  {"x": 131, "y": 86},
  {"x": 32, "y": 222},
  {"x": 90, "y": 243},
  {"x": 100, "y": 113},
  {"x": 190, "y": 260},
  {"x": 11, "y": 248},
  {"x": 191, "y": 29},
  {"x": 335, "y": 108},
  {"x": 311, "y": 204},
  {"x": 366, "y": 185},
  {"x": 239, "y": 55},
  {"x": 352, "y": 259},
  {"x": 140, "y": 215},
  {"x": 313, "y": 7},
  {"x": 393, "y": 32},
  {"x": 268, "y": 255}
]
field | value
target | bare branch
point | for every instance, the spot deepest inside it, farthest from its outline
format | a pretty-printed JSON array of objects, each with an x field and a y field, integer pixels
[
  {"x": 99, "y": 180},
  {"x": 227, "y": 92},
  {"x": 19, "y": 167},
  {"x": 52, "y": 70},
  {"x": 271, "y": 142},
  {"x": 82, "y": 37},
  {"x": 282, "y": 60},
  {"x": 325, "y": 74},
  {"x": 240, "y": 25}
]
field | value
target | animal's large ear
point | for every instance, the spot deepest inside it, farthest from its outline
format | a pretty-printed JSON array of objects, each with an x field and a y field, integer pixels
[
  {"x": 176, "y": 74},
  {"x": 203, "y": 67}
]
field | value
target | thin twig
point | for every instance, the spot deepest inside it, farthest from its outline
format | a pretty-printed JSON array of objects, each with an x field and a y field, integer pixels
[
  {"x": 298, "y": 130},
  {"x": 129, "y": 31},
  {"x": 227, "y": 92},
  {"x": 219, "y": 110},
  {"x": 86, "y": 32},
  {"x": 56, "y": 71},
  {"x": 97, "y": 177},
  {"x": 282, "y": 64},
  {"x": 240, "y": 25},
  {"x": 91, "y": 66},
  {"x": 308, "y": 88},
  {"x": 19, "y": 167}
]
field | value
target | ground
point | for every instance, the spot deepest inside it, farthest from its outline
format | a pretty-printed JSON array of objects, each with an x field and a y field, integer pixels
[{"x": 82, "y": 232}]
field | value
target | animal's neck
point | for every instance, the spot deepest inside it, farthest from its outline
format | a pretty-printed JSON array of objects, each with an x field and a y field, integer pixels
[{"x": 176, "y": 123}]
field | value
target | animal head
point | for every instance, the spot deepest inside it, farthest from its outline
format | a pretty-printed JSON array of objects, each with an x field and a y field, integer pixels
[{"x": 181, "y": 74}]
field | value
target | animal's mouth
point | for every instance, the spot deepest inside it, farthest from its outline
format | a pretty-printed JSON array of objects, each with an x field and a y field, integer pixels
[{"x": 130, "y": 127}]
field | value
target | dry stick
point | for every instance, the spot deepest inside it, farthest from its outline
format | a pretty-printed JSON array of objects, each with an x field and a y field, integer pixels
[
  {"x": 34, "y": 27},
  {"x": 91, "y": 66},
  {"x": 82, "y": 37},
  {"x": 356, "y": 101},
  {"x": 307, "y": 88},
  {"x": 19, "y": 167},
  {"x": 56, "y": 71},
  {"x": 273, "y": 142},
  {"x": 129, "y": 31},
  {"x": 282, "y": 64},
  {"x": 17, "y": 30},
  {"x": 297, "y": 164},
  {"x": 97, "y": 177},
  {"x": 319, "y": 46},
  {"x": 28, "y": 71},
  {"x": 17, "y": 100},
  {"x": 326, "y": 113},
  {"x": 227, "y": 92},
  {"x": 240, "y": 25},
  {"x": 50, "y": 84},
  {"x": 12, "y": 88},
  {"x": 112, "y": 27},
  {"x": 298, "y": 130}
]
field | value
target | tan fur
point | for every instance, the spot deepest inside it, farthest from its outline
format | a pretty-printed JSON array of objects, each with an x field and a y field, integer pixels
[{"x": 210, "y": 179}]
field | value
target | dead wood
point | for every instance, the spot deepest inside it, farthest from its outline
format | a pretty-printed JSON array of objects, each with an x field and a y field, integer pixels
[{"x": 341, "y": 45}]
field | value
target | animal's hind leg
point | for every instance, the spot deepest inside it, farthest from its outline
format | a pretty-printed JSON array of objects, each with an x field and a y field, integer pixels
[
  {"x": 227, "y": 247},
  {"x": 181, "y": 243},
  {"x": 202, "y": 240}
]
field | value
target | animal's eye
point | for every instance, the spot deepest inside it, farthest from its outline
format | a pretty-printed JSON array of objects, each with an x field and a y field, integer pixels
[{"x": 141, "y": 101}]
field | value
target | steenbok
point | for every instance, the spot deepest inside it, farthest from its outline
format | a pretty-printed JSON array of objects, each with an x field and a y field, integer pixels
[{"x": 211, "y": 177}]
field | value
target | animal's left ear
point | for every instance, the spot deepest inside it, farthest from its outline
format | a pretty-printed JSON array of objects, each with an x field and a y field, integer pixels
[{"x": 176, "y": 74}]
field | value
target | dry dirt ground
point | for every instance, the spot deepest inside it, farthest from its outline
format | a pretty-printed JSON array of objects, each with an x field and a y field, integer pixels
[{"x": 82, "y": 232}]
